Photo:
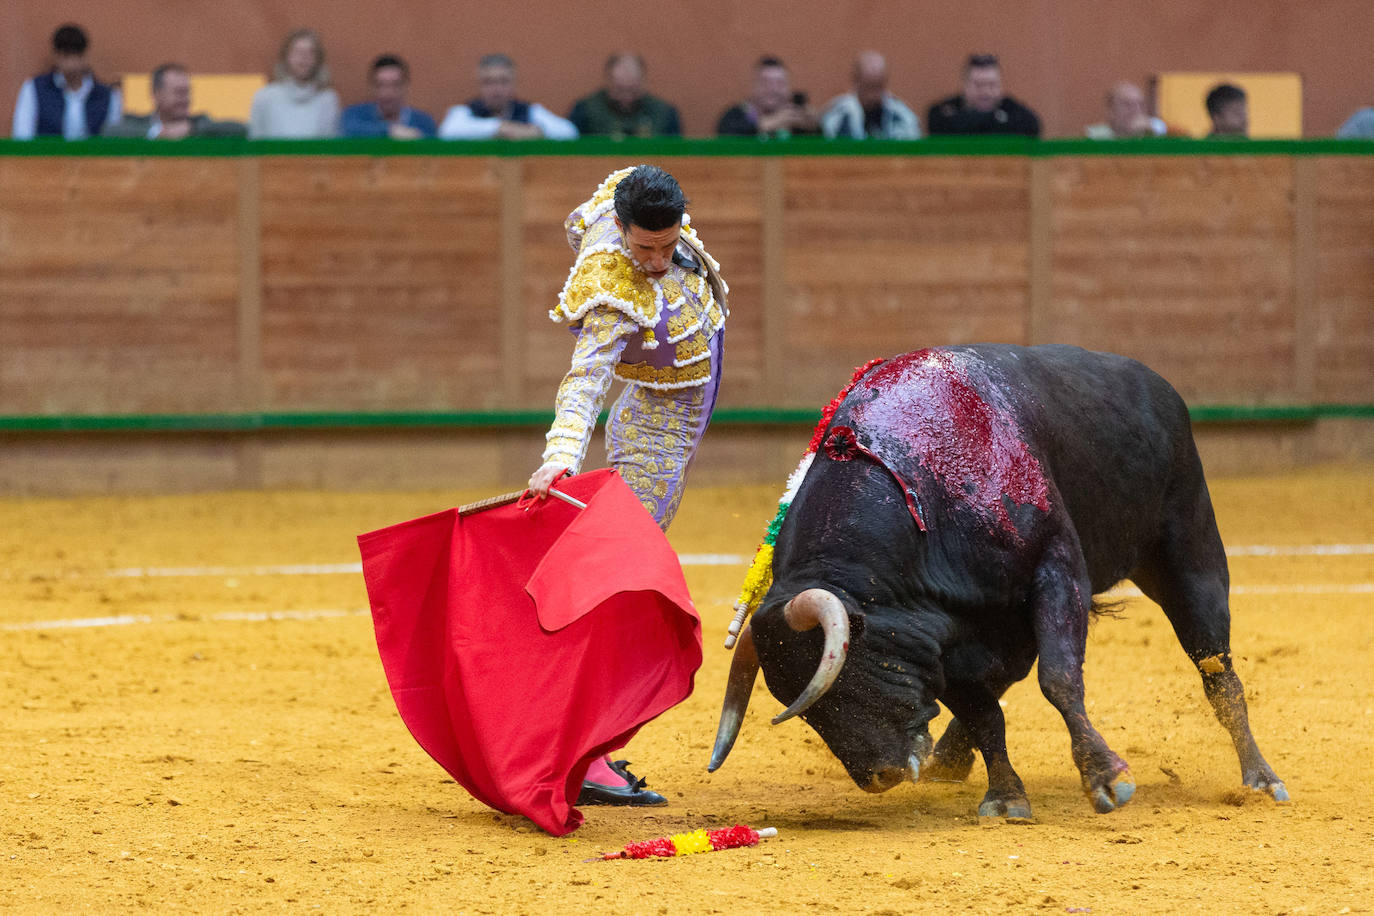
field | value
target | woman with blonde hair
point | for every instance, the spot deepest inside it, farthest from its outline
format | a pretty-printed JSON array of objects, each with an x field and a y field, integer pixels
[{"x": 298, "y": 103}]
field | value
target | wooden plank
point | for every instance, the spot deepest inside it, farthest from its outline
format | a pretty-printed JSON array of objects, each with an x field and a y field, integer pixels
[
  {"x": 1344, "y": 280},
  {"x": 119, "y": 285},
  {"x": 1185, "y": 263},
  {"x": 249, "y": 452},
  {"x": 775, "y": 304},
  {"x": 250, "y": 288},
  {"x": 1041, "y": 249},
  {"x": 513, "y": 343},
  {"x": 1304, "y": 278},
  {"x": 885, "y": 255},
  {"x": 381, "y": 283}
]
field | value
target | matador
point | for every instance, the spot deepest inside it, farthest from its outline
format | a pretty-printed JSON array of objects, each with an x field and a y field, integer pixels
[{"x": 647, "y": 304}]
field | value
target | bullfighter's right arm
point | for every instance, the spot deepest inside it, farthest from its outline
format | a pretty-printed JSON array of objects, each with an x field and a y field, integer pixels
[{"x": 604, "y": 335}]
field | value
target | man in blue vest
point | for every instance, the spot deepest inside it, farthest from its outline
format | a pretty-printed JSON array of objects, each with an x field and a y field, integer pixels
[{"x": 66, "y": 101}]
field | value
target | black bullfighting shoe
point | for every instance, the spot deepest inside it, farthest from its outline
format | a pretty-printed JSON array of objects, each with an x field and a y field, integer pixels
[{"x": 632, "y": 792}]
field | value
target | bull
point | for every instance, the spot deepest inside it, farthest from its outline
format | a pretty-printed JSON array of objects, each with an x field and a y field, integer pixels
[{"x": 964, "y": 508}]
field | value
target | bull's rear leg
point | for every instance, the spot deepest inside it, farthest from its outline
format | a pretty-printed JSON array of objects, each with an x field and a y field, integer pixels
[
  {"x": 1062, "y": 600},
  {"x": 1188, "y": 578},
  {"x": 983, "y": 724}
]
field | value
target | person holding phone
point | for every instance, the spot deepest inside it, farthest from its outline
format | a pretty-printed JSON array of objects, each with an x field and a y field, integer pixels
[{"x": 773, "y": 110}]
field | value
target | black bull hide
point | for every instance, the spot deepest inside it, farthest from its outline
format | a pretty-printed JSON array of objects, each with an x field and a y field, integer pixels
[{"x": 966, "y": 505}]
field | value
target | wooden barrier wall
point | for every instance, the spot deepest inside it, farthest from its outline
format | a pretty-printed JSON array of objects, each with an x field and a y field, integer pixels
[
  {"x": 197, "y": 284},
  {"x": 152, "y": 285}
]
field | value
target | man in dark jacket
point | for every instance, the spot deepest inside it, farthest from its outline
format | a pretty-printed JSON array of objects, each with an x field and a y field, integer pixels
[
  {"x": 66, "y": 101},
  {"x": 773, "y": 110},
  {"x": 171, "y": 118},
  {"x": 623, "y": 108},
  {"x": 982, "y": 108}
]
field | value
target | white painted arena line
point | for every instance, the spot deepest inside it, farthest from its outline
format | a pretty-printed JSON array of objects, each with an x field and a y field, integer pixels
[
  {"x": 124, "y": 620},
  {"x": 1300, "y": 550},
  {"x": 288, "y": 569},
  {"x": 687, "y": 559},
  {"x": 1320, "y": 588}
]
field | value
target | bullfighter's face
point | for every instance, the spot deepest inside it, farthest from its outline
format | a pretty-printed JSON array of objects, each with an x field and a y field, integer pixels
[
  {"x": 652, "y": 250},
  {"x": 875, "y": 718}
]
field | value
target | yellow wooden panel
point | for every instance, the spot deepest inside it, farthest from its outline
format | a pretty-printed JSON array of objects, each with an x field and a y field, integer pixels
[
  {"x": 119, "y": 283},
  {"x": 222, "y": 96},
  {"x": 1274, "y": 100},
  {"x": 381, "y": 283}
]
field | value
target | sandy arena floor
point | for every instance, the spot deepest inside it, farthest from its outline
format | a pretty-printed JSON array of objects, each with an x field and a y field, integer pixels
[{"x": 218, "y": 738}]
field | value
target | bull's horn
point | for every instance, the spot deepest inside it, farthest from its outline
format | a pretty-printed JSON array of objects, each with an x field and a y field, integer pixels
[
  {"x": 811, "y": 608},
  {"x": 744, "y": 668}
]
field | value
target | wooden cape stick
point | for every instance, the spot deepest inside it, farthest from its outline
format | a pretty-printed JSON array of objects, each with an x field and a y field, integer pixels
[{"x": 505, "y": 499}]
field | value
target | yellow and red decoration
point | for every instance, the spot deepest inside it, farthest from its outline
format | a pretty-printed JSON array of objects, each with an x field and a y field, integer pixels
[{"x": 685, "y": 844}]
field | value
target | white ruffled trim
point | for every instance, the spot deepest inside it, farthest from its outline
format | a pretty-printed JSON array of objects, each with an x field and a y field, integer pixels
[
  {"x": 602, "y": 248},
  {"x": 628, "y": 309},
  {"x": 689, "y": 332},
  {"x": 708, "y": 300},
  {"x": 667, "y": 386},
  {"x": 705, "y": 354}
]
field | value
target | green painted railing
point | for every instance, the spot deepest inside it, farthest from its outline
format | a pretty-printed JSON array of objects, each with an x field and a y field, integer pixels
[
  {"x": 658, "y": 146},
  {"x": 301, "y": 421}
]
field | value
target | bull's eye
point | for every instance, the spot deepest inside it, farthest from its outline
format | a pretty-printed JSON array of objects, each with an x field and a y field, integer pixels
[{"x": 841, "y": 444}]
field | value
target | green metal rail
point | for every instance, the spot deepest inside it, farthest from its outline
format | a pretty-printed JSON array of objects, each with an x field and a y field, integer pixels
[
  {"x": 304, "y": 421},
  {"x": 635, "y": 148}
]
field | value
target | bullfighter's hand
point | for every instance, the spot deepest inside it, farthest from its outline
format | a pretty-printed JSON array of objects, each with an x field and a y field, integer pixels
[{"x": 542, "y": 479}]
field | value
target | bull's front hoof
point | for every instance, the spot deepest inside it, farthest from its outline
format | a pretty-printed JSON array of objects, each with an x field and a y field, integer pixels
[
  {"x": 1274, "y": 786},
  {"x": 1015, "y": 809},
  {"x": 1113, "y": 795},
  {"x": 1262, "y": 779},
  {"x": 946, "y": 768}
]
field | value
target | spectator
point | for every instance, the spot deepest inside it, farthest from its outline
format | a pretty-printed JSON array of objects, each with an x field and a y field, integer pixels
[
  {"x": 387, "y": 115},
  {"x": 773, "y": 110},
  {"x": 298, "y": 103},
  {"x": 982, "y": 108},
  {"x": 1126, "y": 116},
  {"x": 1229, "y": 111},
  {"x": 870, "y": 110},
  {"x": 171, "y": 118},
  {"x": 1359, "y": 127},
  {"x": 623, "y": 109},
  {"x": 496, "y": 113},
  {"x": 66, "y": 101}
]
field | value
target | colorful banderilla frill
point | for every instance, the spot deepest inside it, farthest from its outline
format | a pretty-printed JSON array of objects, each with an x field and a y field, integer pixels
[
  {"x": 760, "y": 575},
  {"x": 684, "y": 844}
]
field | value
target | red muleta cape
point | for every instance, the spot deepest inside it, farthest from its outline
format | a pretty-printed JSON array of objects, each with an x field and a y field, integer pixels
[{"x": 521, "y": 645}]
